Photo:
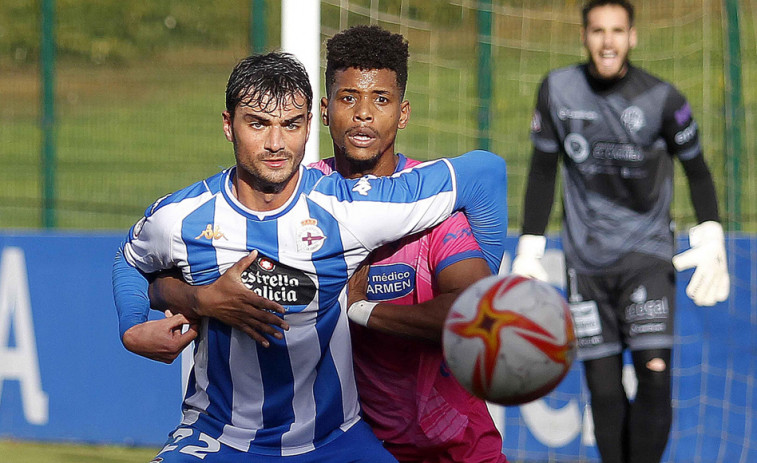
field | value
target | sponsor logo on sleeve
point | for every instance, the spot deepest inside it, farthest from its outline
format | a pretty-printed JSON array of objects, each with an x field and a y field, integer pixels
[
  {"x": 462, "y": 233},
  {"x": 685, "y": 135}
]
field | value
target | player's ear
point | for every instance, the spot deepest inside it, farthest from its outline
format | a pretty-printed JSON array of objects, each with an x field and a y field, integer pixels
[
  {"x": 404, "y": 114},
  {"x": 228, "y": 130},
  {"x": 325, "y": 111},
  {"x": 310, "y": 119},
  {"x": 632, "y": 39}
]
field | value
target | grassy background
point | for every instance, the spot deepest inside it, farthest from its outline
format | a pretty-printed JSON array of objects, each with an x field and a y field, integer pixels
[
  {"x": 33, "y": 452},
  {"x": 140, "y": 92}
]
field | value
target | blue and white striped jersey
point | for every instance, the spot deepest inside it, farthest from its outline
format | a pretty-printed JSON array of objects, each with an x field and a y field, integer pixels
[{"x": 300, "y": 392}]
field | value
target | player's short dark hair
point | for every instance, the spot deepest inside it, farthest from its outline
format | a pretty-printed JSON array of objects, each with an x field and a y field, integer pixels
[
  {"x": 588, "y": 6},
  {"x": 367, "y": 47},
  {"x": 268, "y": 81}
]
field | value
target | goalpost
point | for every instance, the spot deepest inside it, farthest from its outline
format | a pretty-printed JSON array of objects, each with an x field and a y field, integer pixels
[{"x": 301, "y": 36}]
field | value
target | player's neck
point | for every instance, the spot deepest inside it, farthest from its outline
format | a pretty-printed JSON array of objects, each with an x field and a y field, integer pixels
[
  {"x": 384, "y": 165},
  {"x": 600, "y": 83},
  {"x": 260, "y": 196}
]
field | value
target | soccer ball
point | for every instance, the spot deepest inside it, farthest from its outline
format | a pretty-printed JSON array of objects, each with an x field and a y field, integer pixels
[{"x": 509, "y": 339}]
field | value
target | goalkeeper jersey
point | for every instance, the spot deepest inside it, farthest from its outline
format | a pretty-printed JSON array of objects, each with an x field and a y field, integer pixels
[
  {"x": 617, "y": 140},
  {"x": 299, "y": 393}
]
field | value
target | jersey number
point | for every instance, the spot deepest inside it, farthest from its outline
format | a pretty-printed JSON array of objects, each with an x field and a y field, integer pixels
[{"x": 212, "y": 445}]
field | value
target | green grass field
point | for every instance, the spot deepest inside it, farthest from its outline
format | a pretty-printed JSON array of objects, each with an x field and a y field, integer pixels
[{"x": 37, "y": 452}]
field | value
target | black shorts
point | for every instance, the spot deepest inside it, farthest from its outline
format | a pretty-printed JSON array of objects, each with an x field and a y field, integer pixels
[{"x": 633, "y": 308}]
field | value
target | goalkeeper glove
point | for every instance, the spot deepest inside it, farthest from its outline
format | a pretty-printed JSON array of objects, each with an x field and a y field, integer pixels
[
  {"x": 710, "y": 283},
  {"x": 528, "y": 256}
]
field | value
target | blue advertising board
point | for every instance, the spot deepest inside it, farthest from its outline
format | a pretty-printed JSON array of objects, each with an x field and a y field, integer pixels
[{"x": 64, "y": 375}]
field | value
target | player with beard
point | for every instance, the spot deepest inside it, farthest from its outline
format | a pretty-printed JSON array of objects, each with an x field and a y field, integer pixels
[
  {"x": 399, "y": 302},
  {"x": 617, "y": 130},
  {"x": 291, "y": 396}
]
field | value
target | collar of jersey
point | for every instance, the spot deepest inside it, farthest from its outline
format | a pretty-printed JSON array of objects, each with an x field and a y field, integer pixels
[
  {"x": 401, "y": 163},
  {"x": 331, "y": 162},
  {"x": 249, "y": 213}
]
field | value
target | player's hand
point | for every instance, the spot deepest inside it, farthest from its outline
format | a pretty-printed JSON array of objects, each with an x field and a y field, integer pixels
[
  {"x": 160, "y": 340},
  {"x": 359, "y": 309},
  {"x": 357, "y": 288},
  {"x": 710, "y": 283},
  {"x": 528, "y": 256},
  {"x": 228, "y": 300}
]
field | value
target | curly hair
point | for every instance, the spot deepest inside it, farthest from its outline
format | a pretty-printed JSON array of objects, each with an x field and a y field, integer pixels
[
  {"x": 367, "y": 47},
  {"x": 268, "y": 81}
]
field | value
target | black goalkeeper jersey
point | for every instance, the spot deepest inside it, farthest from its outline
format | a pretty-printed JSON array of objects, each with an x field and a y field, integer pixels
[{"x": 617, "y": 141}]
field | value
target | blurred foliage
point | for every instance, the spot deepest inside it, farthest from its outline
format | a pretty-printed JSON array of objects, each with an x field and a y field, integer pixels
[{"x": 122, "y": 31}]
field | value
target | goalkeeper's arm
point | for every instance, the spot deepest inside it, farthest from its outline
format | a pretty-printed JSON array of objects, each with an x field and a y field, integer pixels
[
  {"x": 710, "y": 283},
  {"x": 537, "y": 205}
]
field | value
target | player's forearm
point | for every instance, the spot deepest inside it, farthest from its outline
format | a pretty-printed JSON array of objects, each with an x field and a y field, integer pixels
[
  {"x": 420, "y": 321},
  {"x": 169, "y": 292},
  {"x": 540, "y": 193},
  {"x": 129, "y": 294},
  {"x": 701, "y": 189}
]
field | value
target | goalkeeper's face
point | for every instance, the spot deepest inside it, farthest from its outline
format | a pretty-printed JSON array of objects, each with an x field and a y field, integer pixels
[
  {"x": 269, "y": 141},
  {"x": 608, "y": 38},
  {"x": 364, "y": 110}
]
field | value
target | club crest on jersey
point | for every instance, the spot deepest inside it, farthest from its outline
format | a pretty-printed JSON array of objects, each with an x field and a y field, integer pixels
[
  {"x": 211, "y": 233},
  {"x": 310, "y": 238},
  {"x": 633, "y": 118}
]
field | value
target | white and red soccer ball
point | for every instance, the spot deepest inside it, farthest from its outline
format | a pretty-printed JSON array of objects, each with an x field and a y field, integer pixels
[{"x": 509, "y": 339}]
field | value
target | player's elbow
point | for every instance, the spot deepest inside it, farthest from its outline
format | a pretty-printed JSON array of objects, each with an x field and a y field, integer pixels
[{"x": 490, "y": 163}]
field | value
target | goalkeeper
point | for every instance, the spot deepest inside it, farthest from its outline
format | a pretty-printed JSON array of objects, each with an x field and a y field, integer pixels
[{"x": 617, "y": 130}]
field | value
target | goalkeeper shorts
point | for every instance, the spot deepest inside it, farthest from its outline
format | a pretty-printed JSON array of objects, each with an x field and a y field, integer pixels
[{"x": 633, "y": 308}]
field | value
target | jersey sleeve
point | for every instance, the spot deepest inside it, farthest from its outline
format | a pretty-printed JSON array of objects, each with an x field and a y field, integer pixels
[
  {"x": 482, "y": 194},
  {"x": 129, "y": 294},
  {"x": 452, "y": 241},
  {"x": 379, "y": 210},
  {"x": 679, "y": 129},
  {"x": 540, "y": 186},
  {"x": 543, "y": 134},
  {"x": 146, "y": 249}
]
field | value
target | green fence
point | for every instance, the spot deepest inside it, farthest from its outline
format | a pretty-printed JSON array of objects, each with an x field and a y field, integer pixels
[{"x": 135, "y": 92}]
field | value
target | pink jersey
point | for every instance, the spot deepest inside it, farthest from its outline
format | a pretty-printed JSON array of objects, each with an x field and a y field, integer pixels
[{"x": 408, "y": 396}]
